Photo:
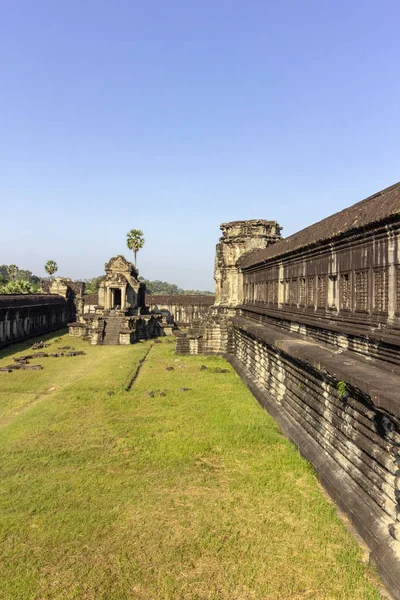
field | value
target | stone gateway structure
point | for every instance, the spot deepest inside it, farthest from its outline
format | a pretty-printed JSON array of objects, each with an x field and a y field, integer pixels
[
  {"x": 120, "y": 289},
  {"x": 120, "y": 316},
  {"x": 312, "y": 324}
]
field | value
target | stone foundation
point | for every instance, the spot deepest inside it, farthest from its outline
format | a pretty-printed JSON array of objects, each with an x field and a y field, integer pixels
[
  {"x": 322, "y": 404},
  {"x": 110, "y": 328}
]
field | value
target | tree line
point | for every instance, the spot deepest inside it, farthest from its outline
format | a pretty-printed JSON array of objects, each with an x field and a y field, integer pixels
[
  {"x": 152, "y": 287},
  {"x": 21, "y": 281}
]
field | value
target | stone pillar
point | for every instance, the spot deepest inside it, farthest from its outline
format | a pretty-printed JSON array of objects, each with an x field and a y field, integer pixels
[
  {"x": 392, "y": 276},
  {"x": 108, "y": 298},
  {"x": 123, "y": 297}
]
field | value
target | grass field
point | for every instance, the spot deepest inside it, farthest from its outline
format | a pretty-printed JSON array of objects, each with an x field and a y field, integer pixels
[{"x": 158, "y": 492}]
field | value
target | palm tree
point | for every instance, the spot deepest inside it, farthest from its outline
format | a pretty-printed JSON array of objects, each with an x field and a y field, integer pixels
[
  {"x": 135, "y": 241},
  {"x": 12, "y": 271},
  {"x": 51, "y": 267}
]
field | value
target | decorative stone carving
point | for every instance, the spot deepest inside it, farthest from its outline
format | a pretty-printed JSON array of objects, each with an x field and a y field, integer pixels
[
  {"x": 345, "y": 291},
  {"x": 321, "y": 295},
  {"x": 381, "y": 290},
  {"x": 361, "y": 291},
  {"x": 311, "y": 292}
]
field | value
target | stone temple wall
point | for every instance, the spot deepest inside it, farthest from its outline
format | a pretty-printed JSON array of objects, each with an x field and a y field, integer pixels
[
  {"x": 314, "y": 330},
  {"x": 183, "y": 309},
  {"x": 26, "y": 315}
]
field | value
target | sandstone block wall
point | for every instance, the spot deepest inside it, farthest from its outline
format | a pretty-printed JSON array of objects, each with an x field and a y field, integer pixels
[
  {"x": 183, "y": 309},
  {"x": 344, "y": 417}
]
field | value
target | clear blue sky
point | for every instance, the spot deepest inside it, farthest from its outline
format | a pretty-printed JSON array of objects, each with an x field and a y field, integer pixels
[{"x": 175, "y": 116}]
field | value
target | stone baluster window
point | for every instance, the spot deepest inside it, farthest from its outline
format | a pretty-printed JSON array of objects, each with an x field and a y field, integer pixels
[
  {"x": 332, "y": 291},
  {"x": 274, "y": 292},
  {"x": 264, "y": 296},
  {"x": 311, "y": 291},
  {"x": 381, "y": 290},
  {"x": 302, "y": 291},
  {"x": 287, "y": 291},
  {"x": 398, "y": 289},
  {"x": 345, "y": 291},
  {"x": 293, "y": 292},
  {"x": 321, "y": 291},
  {"x": 361, "y": 291}
]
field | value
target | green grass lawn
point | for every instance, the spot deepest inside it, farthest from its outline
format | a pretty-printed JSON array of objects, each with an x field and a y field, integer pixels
[{"x": 158, "y": 493}]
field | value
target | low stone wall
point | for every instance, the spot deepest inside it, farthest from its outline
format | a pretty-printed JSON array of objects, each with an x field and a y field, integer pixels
[
  {"x": 111, "y": 328},
  {"x": 184, "y": 310},
  {"x": 343, "y": 414},
  {"x": 90, "y": 302},
  {"x": 26, "y": 315}
]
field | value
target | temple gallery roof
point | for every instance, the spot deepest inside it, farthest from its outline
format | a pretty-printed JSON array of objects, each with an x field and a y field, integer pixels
[
  {"x": 378, "y": 207},
  {"x": 21, "y": 300}
]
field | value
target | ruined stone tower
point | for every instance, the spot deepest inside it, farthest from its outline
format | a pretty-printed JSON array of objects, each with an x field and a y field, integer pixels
[
  {"x": 239, "y": 237},
  {"x": 214, "y": 333}
]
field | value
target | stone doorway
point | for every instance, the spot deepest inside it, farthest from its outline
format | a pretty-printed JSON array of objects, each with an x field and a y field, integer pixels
[{"x": 116, "y": 297}]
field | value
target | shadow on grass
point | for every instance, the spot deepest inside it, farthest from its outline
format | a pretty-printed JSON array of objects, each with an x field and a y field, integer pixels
[{"x": 26, "y": 344}]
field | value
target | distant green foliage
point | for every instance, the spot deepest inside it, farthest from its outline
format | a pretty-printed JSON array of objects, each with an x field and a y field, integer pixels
[
  {"x": 24, "y": 275},
  {"x": 22, "y": 280},
  {"x": 92, "y": 285},
  {"x": 198, "y": 293},
  {"x": 16, "y": 287},
  {"x": 152, "y": 287},
  {"x": 163, "y": 287},
  {"x": 4, "y": 273}
]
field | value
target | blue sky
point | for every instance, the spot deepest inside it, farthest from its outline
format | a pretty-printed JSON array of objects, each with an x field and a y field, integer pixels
[{"x": 175, "y": 116}]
